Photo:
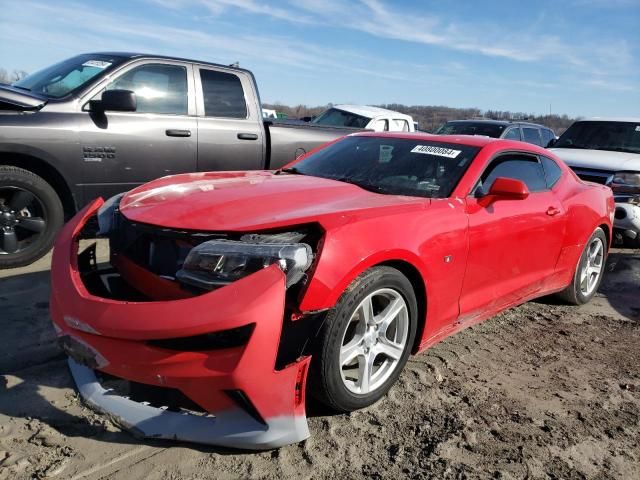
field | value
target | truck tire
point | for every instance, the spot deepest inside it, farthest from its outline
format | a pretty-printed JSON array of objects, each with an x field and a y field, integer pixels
[{"x": 30, "y": 216}]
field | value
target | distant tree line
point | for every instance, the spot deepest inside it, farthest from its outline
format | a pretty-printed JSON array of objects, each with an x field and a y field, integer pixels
[
  {"x": 6, "y": 77},
  {"x": 430, "y": 117}
]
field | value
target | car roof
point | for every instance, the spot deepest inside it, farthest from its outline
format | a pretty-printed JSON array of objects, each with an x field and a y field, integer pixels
[
  {"x": 368, "y": 110},
  {"x": 499, "y": 122},
  {"x": 135, "y": 55}
]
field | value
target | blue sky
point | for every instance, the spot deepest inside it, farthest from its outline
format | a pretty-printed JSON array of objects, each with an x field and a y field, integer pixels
[{"x": 580, "y": 57}]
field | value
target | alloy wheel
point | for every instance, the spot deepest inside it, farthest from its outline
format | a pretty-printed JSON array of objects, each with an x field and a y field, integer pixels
[
  {"x": 374, "y": 341},
  {"x": 22, "y": 219},
  {"x": 592, "y": 267}
]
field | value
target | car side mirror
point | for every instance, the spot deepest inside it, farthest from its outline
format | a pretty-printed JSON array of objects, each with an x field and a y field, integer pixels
[
  {"x": 504, "y": 188},
  {"x": 551, "y": 143},
  {"x": 118, "y": 101}
]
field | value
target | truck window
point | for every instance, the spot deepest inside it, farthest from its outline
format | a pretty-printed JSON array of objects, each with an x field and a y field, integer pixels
[
  {"x": 382, "y": 125},
  {"x": 159, "y": 88},
  {"x": 334, "y": 117},
  {"x": 222, "y": 94},
  {"x": 400, "y": 125}
]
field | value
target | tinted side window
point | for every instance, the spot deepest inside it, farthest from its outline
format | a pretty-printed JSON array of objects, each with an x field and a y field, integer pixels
[
  {"x": 551, "y": 170},
  {"x": 531, "y": 135},
  {"x": 158, "y": 88},
  {"x": 547, "y": 136},
  {"x": 527, "y": 169},
  {"x": 223, "y": 95},
  {"x": 513, "y": 134}
]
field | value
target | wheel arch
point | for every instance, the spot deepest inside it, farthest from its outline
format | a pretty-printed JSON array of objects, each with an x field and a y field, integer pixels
[
  {"x": 419, "y": 289},
  {"x": 48, "y": 173}
]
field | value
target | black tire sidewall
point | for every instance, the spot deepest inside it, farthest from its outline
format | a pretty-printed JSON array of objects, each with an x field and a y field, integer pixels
[
  {"x": 335, "y": 393},
  {"x": 53, "y": 211}
]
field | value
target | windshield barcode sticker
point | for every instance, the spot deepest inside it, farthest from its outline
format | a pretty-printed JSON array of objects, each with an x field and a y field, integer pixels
[
  {"x": 438, "y": 151},
  {"x": 96, "y": 64}
]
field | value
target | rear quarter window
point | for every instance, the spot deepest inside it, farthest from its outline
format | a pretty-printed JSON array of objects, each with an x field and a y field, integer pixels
[{"x": 552, "y": 171}]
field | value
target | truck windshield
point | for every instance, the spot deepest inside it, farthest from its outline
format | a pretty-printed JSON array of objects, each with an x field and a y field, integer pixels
[
  {"x": 602, "y": 135},
  {"x": 68, "y": 76},
  {"x": 471, "y": 128},
  {"x": 394, "y": 166},
  {"x": 339, "y": 118}
]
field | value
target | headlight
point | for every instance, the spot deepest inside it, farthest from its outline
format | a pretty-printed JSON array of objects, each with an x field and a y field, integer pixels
[
  {"x": 626, "y": 182},
  {"x": 106, "y": 214},
  {"x": 217, "y": 263}
]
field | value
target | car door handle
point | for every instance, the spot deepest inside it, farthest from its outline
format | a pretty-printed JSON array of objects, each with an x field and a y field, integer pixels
[
  {"x": 172, "y": 132},
  {"x": 552, "y": 211},
  {"x": 247, "y": 136}
]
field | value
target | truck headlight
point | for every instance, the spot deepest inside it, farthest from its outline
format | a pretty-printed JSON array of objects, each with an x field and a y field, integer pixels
[
  {"x": 626, "y": 182},
  {"x": 216, "y": 263},
  {"x": 106, "y": 214}
]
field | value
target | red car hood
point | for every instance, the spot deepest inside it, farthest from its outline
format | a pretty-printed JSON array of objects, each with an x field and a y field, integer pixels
[{"x": 250, "y": 200}]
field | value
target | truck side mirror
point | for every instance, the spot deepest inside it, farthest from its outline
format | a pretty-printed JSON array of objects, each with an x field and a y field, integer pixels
[{"x": 118, "y": 101}]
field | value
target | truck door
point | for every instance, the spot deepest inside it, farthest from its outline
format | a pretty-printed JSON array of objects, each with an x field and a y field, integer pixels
[
  {"x": 230, "y": 126},
  {"x": 123, "y": 149}
]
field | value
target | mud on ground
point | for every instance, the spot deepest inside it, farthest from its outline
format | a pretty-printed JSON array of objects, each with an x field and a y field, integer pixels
[{"x": 541, "y": 391}]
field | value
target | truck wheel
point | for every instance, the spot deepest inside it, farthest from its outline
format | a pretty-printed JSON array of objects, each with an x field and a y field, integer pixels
[
  {"x": 589, "y": 271},
  {"x": 30, "y": 216},
  {"x": 365, "y": 342}
]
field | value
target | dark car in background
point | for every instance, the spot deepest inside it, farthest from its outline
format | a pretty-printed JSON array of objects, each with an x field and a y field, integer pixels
[
  {"x": 102, "y": 123},
  {"x": 522, "y": 131}
]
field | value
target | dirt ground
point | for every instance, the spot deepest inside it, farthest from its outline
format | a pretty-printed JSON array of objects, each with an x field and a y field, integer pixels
[{"x": 541, "y": 391}]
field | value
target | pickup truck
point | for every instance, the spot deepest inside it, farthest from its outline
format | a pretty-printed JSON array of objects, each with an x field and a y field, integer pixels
[
  {"x": 102, "y": 123},
  {"x": 607, "y": 151}
]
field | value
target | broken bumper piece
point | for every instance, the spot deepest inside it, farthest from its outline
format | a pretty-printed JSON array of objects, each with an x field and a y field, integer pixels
[{"x": 243, "y": 400}]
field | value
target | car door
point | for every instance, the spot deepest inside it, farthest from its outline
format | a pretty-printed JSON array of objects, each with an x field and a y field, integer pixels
[
  {"x": 230, "y": 128},
  {"x": 513, "y": 244},
  {"x": 123, "y": 149}
]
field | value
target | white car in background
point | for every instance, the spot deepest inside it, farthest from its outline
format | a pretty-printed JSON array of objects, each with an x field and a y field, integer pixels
[
  {"x": 364, "y": 116},
  {"x": 607, "y": 151}
]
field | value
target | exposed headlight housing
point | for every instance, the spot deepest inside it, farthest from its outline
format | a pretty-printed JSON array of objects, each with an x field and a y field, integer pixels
[
  {"x": 216, "y": 263},
  {"x": 106, "y": 214},
  {"x": 626, "y": 182}
]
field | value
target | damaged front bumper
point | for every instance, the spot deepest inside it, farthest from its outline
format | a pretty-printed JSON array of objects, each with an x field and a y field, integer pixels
[{"x": 246, "y": 401}]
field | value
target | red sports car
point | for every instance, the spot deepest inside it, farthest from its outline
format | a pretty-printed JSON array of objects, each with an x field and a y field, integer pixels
[{"x": 230, "y": 295}]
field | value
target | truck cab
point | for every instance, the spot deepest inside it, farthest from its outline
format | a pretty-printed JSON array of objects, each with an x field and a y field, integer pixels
[{"x": 363, "y": 116}]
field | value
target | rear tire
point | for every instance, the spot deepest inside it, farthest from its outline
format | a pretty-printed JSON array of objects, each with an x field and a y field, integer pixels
[
  {"x": 589, "y": 271},
  {"x": 365, "y": 341},
  {"x": 31, "y": 214}
]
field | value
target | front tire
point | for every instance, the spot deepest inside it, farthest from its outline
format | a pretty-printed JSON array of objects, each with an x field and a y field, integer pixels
[
  {"x": 30, "y": 216},
  {"x": 366, "y": 340},
  {"x": 589, "y": 271}
]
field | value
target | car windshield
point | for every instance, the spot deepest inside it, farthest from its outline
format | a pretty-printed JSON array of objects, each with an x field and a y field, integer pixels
[
  {"x": 335, "y": 117},
  {"x": 493, "y": 130},
  {"x": 595, "y": 135},
  {"x": 394, "y": 166},
  {"x": 67, "y": 76}
]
